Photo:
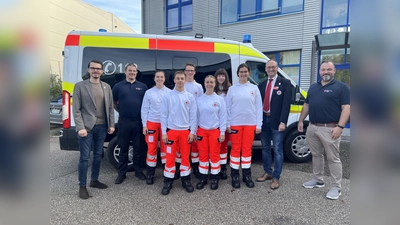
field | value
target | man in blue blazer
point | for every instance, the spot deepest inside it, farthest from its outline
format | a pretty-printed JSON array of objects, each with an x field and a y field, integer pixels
[
  {"x": 94, "y": 117},
  {"x": 276, "y": 94}
]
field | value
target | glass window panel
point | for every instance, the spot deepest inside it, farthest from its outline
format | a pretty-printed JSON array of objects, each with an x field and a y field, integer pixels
[
  {"x": 257, "y": 72},
  {"x": 171, "y": 2},
  {"x": 334, "y": 13},
  {"x": 228, "y": 11},
  {"x": 292, "y": 72},
  {"x": 247, "y": 7},
  {"x": 186, "y": 15},
  {"x": 186, "y": 0},
  {"x": 271, "y": 56},
  {"x": 331, "y": 39},
  {"x": 172, "y": 18},
  {"x": 334, "y": 30},
  {"x": 269, "y": 5},
  {"x": 343, "y": 75},
  {"x": 290, "y": 57},
  {"x": 292, "y": 5},
  {"x": 335, "y": 55},
  {"x": 348, "y": 56}
]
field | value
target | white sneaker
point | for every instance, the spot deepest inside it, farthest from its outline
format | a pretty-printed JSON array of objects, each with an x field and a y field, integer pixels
[
  {"x": 334, "y": 193},
  {"x": 314, "y": 184}
]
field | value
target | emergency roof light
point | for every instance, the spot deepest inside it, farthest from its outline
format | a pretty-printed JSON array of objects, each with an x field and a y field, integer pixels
[
  {"x": 247, "y": 38},
  {"x": 102, "y": 30},
  {"x": 198, "y": 35}
]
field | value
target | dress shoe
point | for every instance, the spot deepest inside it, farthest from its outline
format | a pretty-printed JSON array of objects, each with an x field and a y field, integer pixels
[
  {"x": 235, "y": 182},
  {"x": 214, "y": 184},
  {"x": 140, "y": 175},
  {"x": 248, "y": 181},
  {"x": 97, "y": 184},
  {"x": 150, "y": 179},
  {"x": 275, "y": 184},
  {"x": 201, "y": 184},
  {"x": 83, "y": 193},
  {"x": 187, "y": 185},
  {"x": 264, "y": 177},
  {"x": 223, "y": 175},
  {"x": 166, "y": 189},
  {"x": 120, "y": 179}
]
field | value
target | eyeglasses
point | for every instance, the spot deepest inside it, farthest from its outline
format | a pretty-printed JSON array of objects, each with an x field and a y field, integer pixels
[
  {"x": 191, "y": 71},
  {"x": 270, "y": 67},
  {"x": 95, "y": 68}
]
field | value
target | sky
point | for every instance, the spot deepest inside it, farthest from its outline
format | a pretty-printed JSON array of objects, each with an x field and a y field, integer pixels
[{"x": 129, "y": 11}]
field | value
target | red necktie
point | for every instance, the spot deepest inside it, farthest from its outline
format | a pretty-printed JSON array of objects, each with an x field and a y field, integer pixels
[{"x": 267, "y": 95}]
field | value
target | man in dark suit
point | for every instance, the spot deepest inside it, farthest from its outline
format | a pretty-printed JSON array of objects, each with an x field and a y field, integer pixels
[
  {"x": 94, "y": 117},
  {"x": 276, "y": 95}
]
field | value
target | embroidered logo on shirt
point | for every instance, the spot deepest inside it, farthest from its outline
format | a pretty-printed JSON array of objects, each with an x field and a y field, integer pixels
[
  {"x": 215, "y": 104},
  {"x": 186, "y": 102},
  {"x": 276, "y": 88},
  {"x": 252, "y": 93},
  {"x": 138, "y": 89},
  {"x": 328, "y": 91},
  {"x": 195, "y": 92}
]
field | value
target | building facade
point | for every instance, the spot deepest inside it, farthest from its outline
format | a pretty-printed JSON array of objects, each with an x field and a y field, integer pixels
[
  {"x": 66, "y": 16},
  {"x": 282, "y": 29}
]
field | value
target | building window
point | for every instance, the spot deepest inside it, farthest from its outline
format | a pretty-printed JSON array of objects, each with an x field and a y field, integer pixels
[
  {"x": 335, "y": 16},
  {"x": 179, "y": 15},
  {"x": 289, "y": 62},
  {"x": 240, "y": 10}
]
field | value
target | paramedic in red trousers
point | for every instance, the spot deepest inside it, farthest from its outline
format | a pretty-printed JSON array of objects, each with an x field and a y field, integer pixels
[
  {"x": 196, "y": 89},
  {"x": 150, "y": 111},
  {"x": 221, "y": 89},
  {"x": 244, "y": 109},
  {"x": 276, "y": 94},
  {"x": 128, "y": 96},
  {"x": 328, "y": 107},
  {"x": 94, "y": 118},
  {"x": 211, "y": 111},
  {"x": 178, "y": 126}
]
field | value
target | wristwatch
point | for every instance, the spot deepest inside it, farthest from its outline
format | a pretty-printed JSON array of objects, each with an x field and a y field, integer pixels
[{"x": 340, "y": 126}]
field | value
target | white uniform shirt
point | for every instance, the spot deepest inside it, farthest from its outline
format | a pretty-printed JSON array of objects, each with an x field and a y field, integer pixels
[
  {"x": 244, "y": 105},
  {"x": 178, "y": 111},
  {"x": 211, "y": 112},
  {"x": 195, "y": 88},
  {"x": 151, "y": 105}
]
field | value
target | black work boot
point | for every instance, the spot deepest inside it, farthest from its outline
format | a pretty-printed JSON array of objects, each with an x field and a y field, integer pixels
[
  {"x": 214, "y": 181},
  {"x": 150, "y": 175},
  {"x": 177, "y": 171},
  {"x": 222, "y": 173},
  {"x": 195, "y": 168},
  {"x": 247, "y": 178},
  {"x": 187, "y": 184},
  {"x": 202, "y": 181},
  {"x": 167, "y": 186},
  {"x": 235, "y": 178}
]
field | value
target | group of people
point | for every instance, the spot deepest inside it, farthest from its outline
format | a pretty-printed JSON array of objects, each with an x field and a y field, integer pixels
[{"x": 194, "y": 127}]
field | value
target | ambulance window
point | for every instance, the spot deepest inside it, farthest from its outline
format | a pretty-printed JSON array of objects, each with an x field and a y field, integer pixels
[{"x": 257, "y": 72}]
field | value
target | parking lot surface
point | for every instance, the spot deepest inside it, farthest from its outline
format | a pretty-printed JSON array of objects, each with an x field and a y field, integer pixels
[{"x": 134, "y": 202}]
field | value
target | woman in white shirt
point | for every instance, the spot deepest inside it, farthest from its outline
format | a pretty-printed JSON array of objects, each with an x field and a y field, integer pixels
[
  {"x": 244, "y": 107},
  {"x": 211, "y": 117},
  {"x": 221, "y": 89},
  {"x": 150, "y": 113}
]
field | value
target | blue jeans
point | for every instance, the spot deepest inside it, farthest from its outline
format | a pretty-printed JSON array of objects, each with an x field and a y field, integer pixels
[
  {"x": 277, "y": 137},
  {"x": 95, "y": 137}
]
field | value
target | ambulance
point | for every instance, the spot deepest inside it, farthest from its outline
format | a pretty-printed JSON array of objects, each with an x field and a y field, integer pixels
[{"x": 169, "y": 54}]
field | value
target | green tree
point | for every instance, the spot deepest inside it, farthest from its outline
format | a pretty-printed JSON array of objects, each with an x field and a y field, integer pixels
[{"x": 55, "y": 85}]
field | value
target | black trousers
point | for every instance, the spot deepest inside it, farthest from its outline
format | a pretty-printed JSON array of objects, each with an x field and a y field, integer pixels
[{"x": 129, "y": 130}]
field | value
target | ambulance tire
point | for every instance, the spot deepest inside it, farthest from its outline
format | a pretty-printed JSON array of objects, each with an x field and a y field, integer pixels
[
  {"x": 113, "y": 153},
  {"x": 296, "y": 148}
]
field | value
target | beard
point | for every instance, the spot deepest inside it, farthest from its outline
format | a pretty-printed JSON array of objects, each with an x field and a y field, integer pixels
[{"x": 327, "y": 77}]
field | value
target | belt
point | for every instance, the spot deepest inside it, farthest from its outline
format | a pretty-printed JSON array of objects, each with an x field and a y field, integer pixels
[
  {"x": 325, "y": 124},
  {"x": 129, "y": 118},
  {"x": 267, "y": 114}
]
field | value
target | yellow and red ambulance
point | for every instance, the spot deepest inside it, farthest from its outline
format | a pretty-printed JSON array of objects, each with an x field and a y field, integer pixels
[{"x": 167, "y": 53}]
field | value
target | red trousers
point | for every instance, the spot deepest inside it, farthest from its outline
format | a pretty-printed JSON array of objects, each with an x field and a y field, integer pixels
[
  {"x": 195, "y": 152},
  {"x": 209, "y": 147},
  {"x": 223, "y": 154},
  {"x": 177, "y": 140},
  {"x": 242, "y": 141},
  {"x": 152, "y": 138}
]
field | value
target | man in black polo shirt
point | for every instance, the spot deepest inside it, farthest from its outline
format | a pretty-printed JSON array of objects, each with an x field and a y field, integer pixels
[
  {"x": 128, "y": 96},
  {"x": 328, "y": 105}
]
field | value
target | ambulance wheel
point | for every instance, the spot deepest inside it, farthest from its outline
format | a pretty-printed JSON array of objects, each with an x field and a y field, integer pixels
[
  {"x": 113, "y": 154},
  {"x": 296, "y": 148}
]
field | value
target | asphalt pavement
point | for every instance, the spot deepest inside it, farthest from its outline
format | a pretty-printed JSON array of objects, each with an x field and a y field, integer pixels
[{"x": 134, "y": 202}]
